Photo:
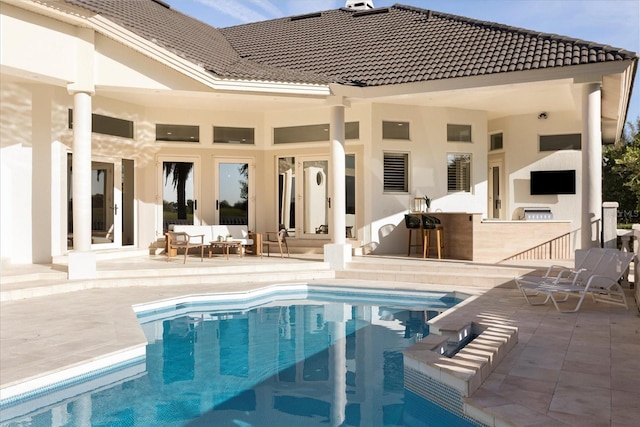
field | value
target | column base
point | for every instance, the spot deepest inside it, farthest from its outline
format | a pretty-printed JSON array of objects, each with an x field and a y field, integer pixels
[
  {"x": 337, "y": 255},
  {"x": 82, "y": 265}
]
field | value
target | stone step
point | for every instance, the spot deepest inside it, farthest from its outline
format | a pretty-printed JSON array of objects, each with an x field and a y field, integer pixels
[
  {"x": 430, "y": 271},
  {"x": 172, "y": 276}
]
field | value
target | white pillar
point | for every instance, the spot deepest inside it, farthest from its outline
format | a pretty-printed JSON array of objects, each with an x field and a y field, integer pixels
[
  {"x": 338, "y": 252},
  {"x": 338, "y": 373},
  {"x": 610, "y": 225},
  {"x": 42, "y": 178},
  {"x": 82, "y": 262},
  {"x": 591, "y": 166},
  {"x": 338, "y": 204}
]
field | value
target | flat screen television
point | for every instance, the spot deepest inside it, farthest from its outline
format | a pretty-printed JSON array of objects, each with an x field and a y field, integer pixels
[{"x": 553, "y": 182}]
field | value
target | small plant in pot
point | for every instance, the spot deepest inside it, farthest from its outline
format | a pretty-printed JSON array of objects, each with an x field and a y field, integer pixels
[{"x": 427, "y": 202}]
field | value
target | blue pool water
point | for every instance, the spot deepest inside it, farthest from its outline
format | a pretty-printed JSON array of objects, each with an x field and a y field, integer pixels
[{"x": 292, "y": 358}]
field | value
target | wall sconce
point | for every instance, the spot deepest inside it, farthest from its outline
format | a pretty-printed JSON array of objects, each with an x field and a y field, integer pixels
[{"x": 543, "y": 116}]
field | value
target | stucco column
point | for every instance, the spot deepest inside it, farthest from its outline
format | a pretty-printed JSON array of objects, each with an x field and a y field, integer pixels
[
  {"x": 338, "y": 252},
  {"x": 591, "y": 166},
  {"x": 42, "y": 177},
  {"x": 82, "y": 262},
  {"x": 610, "y": 225}
]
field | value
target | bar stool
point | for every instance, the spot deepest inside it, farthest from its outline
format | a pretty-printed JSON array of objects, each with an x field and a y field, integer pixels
[
  {"x": 413, "y": 223},
  {"x": 430, "y": 223}
]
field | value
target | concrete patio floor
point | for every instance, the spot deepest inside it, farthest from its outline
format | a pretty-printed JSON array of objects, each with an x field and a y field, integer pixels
[{"x": 579, "y": 369}]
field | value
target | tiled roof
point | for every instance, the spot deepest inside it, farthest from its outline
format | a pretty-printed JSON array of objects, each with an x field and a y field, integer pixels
[
  {"x": 190, "y": 39},
  {"x": 383, "y": 46}
]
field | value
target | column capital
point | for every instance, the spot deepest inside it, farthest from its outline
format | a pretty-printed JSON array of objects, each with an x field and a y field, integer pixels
[
  {"x": 338, "y": 101},
  {"x": 74, "y": 88},
  {"x": 589, "y": 80}
]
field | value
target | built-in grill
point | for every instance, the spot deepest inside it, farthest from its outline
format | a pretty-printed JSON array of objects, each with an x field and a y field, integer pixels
[{"x": 537, "y": 214}]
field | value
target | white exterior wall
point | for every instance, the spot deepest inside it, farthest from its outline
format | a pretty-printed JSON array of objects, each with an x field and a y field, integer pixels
[
  {"x": 428, "y": 148},
  {"x": 522, "y": 155},
  {"x": 35, "y": 140}
]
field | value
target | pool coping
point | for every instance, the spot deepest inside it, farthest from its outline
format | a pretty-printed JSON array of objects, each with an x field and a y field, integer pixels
[{"x": 79, "y": 372}]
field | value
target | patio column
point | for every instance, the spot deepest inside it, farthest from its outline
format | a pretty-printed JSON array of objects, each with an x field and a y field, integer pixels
[
  {"x": 338, "y": 252},
  {"x": 591, "y": 166},
  {"x": 82, "y": 261}
]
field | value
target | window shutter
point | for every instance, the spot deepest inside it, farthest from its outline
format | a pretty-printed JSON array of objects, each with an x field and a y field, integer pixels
[
  {"x": 459, "y": 172},
  {"x": 395, "y": 172}
]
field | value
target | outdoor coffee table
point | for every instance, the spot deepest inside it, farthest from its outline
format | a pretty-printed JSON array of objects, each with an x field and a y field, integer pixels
[{"x": 225, "y": 245}]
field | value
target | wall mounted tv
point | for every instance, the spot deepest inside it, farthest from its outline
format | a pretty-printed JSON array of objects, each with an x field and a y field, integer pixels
[{"x": 553, "y": 182}]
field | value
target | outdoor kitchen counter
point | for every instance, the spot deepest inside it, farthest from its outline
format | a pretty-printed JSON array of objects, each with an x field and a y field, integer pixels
[{"x": 467, "y": 236}]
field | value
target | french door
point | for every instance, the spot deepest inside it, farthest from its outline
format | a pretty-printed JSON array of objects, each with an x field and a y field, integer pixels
[
  {"x": 234, "y": 194},
  {"x": 179, "y": 191},
  {"x": 314, "y": 197},
  {"x": 304, "y": 198},
  {"x": 112, "y": 207},
  {"x": 495, "y": 189}
]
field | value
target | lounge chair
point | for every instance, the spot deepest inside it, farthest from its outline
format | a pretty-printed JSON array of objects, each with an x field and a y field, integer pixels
[
  {"x": 560, "y": 275},
  {"x": 180, "y": 239},
  {"x": 602, "y": 283}
]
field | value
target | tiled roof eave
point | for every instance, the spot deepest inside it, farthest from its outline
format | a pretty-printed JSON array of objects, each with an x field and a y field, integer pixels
[
  {"x": 577, "y": 73},
  {"x": 209, "y": 78}
]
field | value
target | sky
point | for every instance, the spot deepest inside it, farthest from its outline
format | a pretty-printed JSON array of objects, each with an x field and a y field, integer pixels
[{"x": 611, "y": 22}]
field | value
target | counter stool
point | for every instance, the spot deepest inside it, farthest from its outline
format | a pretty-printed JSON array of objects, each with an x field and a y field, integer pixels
[
  {"x": 429, "y": 224},
  {"x": 413, "y": 224}
]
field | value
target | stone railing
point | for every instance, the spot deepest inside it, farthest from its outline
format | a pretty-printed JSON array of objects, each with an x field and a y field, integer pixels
[{"x": 636, "y": 264}]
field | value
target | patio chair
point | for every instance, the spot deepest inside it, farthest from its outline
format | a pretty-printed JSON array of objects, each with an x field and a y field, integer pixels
[
  {"x": 558, "y": 274},
  {"x": 181, "y": 240},
  {"x": 273, "y": 238},
  {"x": 602, "y": 283}
]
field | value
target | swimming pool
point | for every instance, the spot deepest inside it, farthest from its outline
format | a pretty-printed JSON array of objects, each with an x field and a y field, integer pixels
[{"x": 279, "y": 356}]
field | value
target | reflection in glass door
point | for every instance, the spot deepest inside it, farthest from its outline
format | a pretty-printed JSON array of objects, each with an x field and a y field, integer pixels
[
  {"x": 106, "y": 202},
  {"x": 287, "y": 194},
  {"x": 315, "y": 197},
  {"x": 232, "y": 192},
  {"x": 179, "y": 201},
  {"x": 103, "y": 207},
  {"x": 312, "y": 211},
  {"x": 495, "y": 190}
]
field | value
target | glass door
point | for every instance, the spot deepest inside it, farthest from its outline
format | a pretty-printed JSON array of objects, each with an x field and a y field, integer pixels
[
  {"x": 178, "y": 179},
  {"x": 106, "y": 204},
  {"x": 495, "y": 190},
  {"x": 234, "y": 191},
  {"x": 104, "y": 207},
  {"x": 314, "y": 196},
  {"x": 304, "y": 209},
  {"x": 287, "y": 194}
]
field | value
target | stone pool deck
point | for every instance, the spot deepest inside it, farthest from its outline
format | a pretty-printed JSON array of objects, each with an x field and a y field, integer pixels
[{"x": 579, "y": 369}]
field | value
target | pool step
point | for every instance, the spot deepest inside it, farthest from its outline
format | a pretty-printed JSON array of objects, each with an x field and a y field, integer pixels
[
  {"x": 170, "y": 275},
  {"x": 434, "y": 272}
]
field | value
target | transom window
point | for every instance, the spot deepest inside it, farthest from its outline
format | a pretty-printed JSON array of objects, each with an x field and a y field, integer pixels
[
  {"x": 312, "y": 133},
  {"x": 107, "y": 125},
  {"x": 458, "y": 133},
  {"x": 459, "y": 172},
  {"x": 496, "y": 141},
  {"x": 395, "y": 130},
  {"x": 232, "y": 135},
  {"x": 396, "y": 167},
  {"x": 572, "y": 141},
  {"x": 177, "y": 133}
]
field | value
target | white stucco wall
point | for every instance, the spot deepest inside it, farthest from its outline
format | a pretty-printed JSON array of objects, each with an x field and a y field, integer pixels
[
  {"x": 428, "y": 148},
  {"x": 522, "y": 155}
]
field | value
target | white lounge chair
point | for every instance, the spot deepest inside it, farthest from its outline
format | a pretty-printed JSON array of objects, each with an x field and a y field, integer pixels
[
  {"x": 560, "y": 275},
  {"x": 603, "y": 283}
]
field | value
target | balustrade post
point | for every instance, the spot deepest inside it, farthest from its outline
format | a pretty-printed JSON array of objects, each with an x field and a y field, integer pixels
[{"x": 610, "y": 225}]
